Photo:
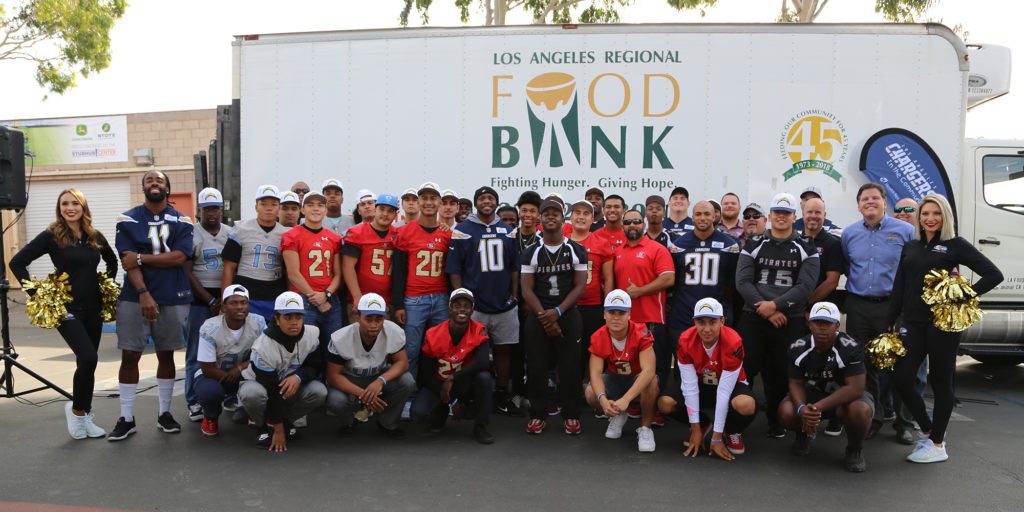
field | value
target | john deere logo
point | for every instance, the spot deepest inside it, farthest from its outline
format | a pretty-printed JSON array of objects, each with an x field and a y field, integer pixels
[
  {"x": 105, "y": 127},
  {"x": 814, "y": 141},
  {"x": 81, "y": 130}
]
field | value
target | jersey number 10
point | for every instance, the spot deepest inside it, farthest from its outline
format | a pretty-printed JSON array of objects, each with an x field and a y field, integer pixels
[{"x": 492, "y": 255}]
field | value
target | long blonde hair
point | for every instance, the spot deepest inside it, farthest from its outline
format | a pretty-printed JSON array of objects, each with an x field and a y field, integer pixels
[
  {"x": 62, "y": 232},
  {"x": 948, "y": 230}
]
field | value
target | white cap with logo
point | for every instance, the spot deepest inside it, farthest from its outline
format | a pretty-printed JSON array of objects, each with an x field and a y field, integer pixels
[
  {"x": 289, "y": 302},
  {"x": 460, "y": 293},
  {"x": 210, "y": 197},
  {"x": 235, "y": 290},
  {"x": 289, "y": 197},
  {"x": 268, "y": 191},
  {"x": 825, "y": 311},
  {"x": 365, "y": 194},
  {"x": 783, "y": 202},
  {"x": 708, "y": 308},
  {"x": 372, "y": 304},
  {"x": 331, "y": 183},
  {"x": 618, "y": 300}
]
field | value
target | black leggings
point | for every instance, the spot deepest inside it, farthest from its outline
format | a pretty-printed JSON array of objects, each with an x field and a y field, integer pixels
[
  {"x": 541, "y": 350},
  {"x": 82, "y": 334},
  {"x": 920, "y": 340}
]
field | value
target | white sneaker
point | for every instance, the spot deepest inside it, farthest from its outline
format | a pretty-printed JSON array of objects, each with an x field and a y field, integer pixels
[
  {"x": 301, "y": 423},
  {"x": 615, "y": 424},
  {"x": 407, "y": 412},
  {"x": 929, "y": 453},
  {"x": 76, "y": 425},
  {"x": 923, "y": 442},
  {"x": 645, "y": 439},
  {"x": 91, "y": 429}
]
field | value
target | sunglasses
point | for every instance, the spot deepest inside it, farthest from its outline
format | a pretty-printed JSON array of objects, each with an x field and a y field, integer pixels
[
  {"x": 749, "y": 216},
  {"x": 632, "y": 222},
  {"x": 904, "y": 209},
  {"x": 300, "y": 190}
]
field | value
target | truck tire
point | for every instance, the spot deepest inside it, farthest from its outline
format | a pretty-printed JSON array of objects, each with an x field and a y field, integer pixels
[{"x": 998, "y": 360}]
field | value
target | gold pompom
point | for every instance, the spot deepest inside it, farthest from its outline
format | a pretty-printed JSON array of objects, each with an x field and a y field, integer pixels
[
  {"x": 109, "y": 292},
  {"x": 49, "y": 305},
  {"x": 955, "y": 305},
  {"x": 885, "y": 350}
]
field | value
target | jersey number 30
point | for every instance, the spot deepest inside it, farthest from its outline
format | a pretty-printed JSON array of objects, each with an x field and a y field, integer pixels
[{"x": 701, "y": 268}]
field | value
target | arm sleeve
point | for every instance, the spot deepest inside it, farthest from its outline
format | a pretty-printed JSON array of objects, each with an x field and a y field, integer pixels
[
  {"x": 183, "y": 239},
  {"x": 39, "y": 246},
  {"x": 991, "y": 276},
  {"x": 745, "y": 279},
  {"x": 122, "y": 235},
  {"x": 726, "y": 384},
  {"x": 232, "y": 251},
  {"x": 350, "y": 249},
  {"x": 898, "y": 292},
  {"x": 399, "y": 273},
  {"x": 806, "y": 280},
  {"x": 109, "y": 258},
  {"x": 481, "y": 362},
  {"x": 691, "y": 393}
]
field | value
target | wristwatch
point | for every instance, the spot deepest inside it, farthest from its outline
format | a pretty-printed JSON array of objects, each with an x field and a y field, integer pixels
[
  {"x": 328, "y": 294},
  {"x": 138, "y": 259}
]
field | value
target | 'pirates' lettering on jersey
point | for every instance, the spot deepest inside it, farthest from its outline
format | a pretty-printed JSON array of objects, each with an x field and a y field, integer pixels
[
  {"x": 845, "y": 359},
  {"x": 554, "y": 271}
]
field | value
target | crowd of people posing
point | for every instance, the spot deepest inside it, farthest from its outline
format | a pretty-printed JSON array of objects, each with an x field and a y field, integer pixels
[{"x": 429, "y": 306}]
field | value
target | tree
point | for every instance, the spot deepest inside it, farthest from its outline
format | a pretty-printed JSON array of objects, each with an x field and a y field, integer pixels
[
  {"x": 64, "y": 38},
  {"x": 542, "y": 11},
  {"x": 806, "y": 11}
]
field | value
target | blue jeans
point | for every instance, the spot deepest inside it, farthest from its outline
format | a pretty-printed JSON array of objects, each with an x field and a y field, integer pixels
[
  {"x": 422, "y": 313},
  {"x": 196, "y": 316},
  {"x": 211, "y": 393},
  {"x": 264, "y": 308},
  {"x": 327, "y": 322}
]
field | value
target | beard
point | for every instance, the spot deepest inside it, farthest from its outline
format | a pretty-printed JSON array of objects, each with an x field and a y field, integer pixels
[
  {"x": 634, "y": 234},
  {"x": 156, "y": 197}
]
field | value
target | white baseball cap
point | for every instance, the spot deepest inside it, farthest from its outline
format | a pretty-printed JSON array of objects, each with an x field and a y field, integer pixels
[
  {"x": 289, "y": 302},
  {"x": 618, "y": 300},
  {"x": 409, "y": 192},
  {"x": 235, "y": 290},
  {"x": 429, "y": 186},
  {"x": 449, "y": 193},
  {"x": 784, "y": 202},
  {"x": 210, "y": 197},
  {"x": 265, "y": 191},
  {"x": 460, "y": 293},
  {"x": 372, "y": 304},
  {"x": 313, "y": 195},
  {"x": 825, "y": 311},
  {"x": 289, "y": 197},
  {"x": 708, "y": 308},
  {"x": 365, "y": 194},
  {"x": 331, "y": 183}
]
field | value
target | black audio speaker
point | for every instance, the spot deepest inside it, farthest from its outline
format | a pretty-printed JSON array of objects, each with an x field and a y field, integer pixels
[{"x": 12, "y": 169}]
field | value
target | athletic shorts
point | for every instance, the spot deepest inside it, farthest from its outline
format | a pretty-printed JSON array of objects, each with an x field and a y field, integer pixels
[
  {"x": 616, "y": 386},
  {"x": 503, "y": 328},
  {"x": 814, "y": 394},
  {"x": 167, "y": 331},
  {"x": 709, "y": 394}
]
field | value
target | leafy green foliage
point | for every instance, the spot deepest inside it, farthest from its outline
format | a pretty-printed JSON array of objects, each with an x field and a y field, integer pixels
[{"x": 542, "y": 11}]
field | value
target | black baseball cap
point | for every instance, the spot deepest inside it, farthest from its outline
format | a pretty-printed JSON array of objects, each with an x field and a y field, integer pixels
[
  {"x": 484, "y": 190},
  {"x": 680, "y": 190}
]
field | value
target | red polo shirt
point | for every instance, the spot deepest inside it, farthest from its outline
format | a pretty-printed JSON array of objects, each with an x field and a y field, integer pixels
[{"x": 641, "y": 264}]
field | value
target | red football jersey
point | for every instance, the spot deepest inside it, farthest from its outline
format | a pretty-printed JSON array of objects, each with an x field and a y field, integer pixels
[
  {"x": 437, "y": 343},
  {"x": 640, "y": 264},
  {"x": 598, "y": 253},
  {"x": 726, "y": 356},
  {"x": 316, "y": 254},
  {"x": 425, "y": 275},
  {"x": 614, "y": 239},
  {"x": 374, "y": 266},
  {"x": 626, "y": 361}
]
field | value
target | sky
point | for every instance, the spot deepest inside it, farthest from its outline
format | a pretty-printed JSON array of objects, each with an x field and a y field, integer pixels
[{"x": 176, "y": 55}]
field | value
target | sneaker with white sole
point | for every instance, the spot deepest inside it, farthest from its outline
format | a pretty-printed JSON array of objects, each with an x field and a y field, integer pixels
[
  {"x": 76, "y": 425},
  {"x": 734, "y": 443},
  {"x": 645, "y": 439},
  {"x": 122, "y": 430},
  {"x": 195, "y": 412},
  {"x": 230, "y": 403},
  {"x": 166, "y": 423},
  {"x": 926, "y": 454},
  {"x": 302, "y": 422},
  {"x": 91, "y": 428},
  {"x": 407, "y": 412},
  {"x": 615, "y": 424},
  {"x": 834, "y": 428}
]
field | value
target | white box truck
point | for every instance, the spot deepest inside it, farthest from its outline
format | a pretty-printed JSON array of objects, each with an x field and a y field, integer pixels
[{"x": 639, "y": 109}]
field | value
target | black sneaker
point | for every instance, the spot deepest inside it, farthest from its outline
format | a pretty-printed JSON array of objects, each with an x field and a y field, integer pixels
[
  {"x": 195, "y": 412},
  {"x": 438, "y": 417},
  {"x": 122, "y": 430},
  {"x": 347, "y": 430},
  {"x": 481, "y": 434},
  {"x": 776, "y": 431},
  {"x": 802, "y": 445},
  {"x": 905, "y": 437},
  {"x": 392, "y": 433},
  {"x": 166, "y": 423},
  {"x": 292, "y": 433},
  {"x": 265, "y": 438},
  {"x": 854, "y": 461},
  {"x": 834, "y": 428},
  {"x": 508, "y": 407}
]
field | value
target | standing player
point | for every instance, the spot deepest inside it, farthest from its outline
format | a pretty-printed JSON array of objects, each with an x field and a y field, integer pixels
[
  {"x": 420, "y": 288},
  {"x": 154, "y": 241},
  {"x": 312, "y": 257},
  {"x": 291, "y": 209},
  {"x": 710, "y": 358},
  {"x": 205, "y": 270},
  {"x": 483, "y": 257},
  {"x": 826, "y": 379},
  {"x": 705, "y": 261},
  {"x": 528, "y": 234},
  {"x": 775, "y": 275},
  {"x": 366, "y": 207},
  {"x": 731, "y": 224},
  {"x": 449, "y": 208},
  {"x": 465, "y": 209},
  {"x": 554, "y": 274},
  {"x": 252, "y": 254},
  {"x": 336, "y": 221},
  {"x": 655, "y": 213},
  {"x": 622, "y": 369},
  {"x": 678, "y": 220},
  {"x": 595, "y": 197},
  {"x": 368, "y": 253},
  {"x": 410, "y": 208},
  {"x": 600, "y": 276},
  {"x": 613, "y": 232}
]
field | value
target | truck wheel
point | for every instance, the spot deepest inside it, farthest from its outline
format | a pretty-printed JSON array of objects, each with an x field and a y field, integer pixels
[{"x": 996, "y": 360}]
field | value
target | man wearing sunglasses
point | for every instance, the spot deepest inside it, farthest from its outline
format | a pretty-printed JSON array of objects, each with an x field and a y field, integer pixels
[
  {"x": 754, "y": 222},
  {"x": 301, "y": 189},
  {"x": 906, "y": 210}
]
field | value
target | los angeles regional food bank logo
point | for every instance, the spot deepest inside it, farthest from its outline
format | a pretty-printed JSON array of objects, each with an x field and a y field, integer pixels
[
  {"x": 813, "y": 141},
  {"x": 554, "y": 116}
]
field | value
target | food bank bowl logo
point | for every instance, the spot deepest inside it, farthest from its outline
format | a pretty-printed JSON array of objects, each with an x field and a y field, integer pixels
[
  {"x": 813, "y": 140},
  {"x": 552, "y": 105}
]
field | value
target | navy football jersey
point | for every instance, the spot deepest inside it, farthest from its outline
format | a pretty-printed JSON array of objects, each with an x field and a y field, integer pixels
[
  {"x": 485, "y": 255},
  {"x": 826, "y": 370},
  {"x": 677, "y": 229},
  {"x": 704, "y": 268},
  {"x": 142, "y": 231}
]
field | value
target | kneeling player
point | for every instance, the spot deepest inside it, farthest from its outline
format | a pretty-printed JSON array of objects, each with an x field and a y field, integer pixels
[
  {"x": 621, "y": 369},
  {"x": 456, "y": 367},
  {"x": 223, "y": 352},
  {"x": 280, "y": 383},
  {"x": 826, "y": 380},
  {"x": 710, "y": 357}
]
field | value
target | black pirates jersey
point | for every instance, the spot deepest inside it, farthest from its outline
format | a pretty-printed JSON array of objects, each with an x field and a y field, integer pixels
[
  {"x": 554, "y": 269},
  {"x": 826, "y": 370}
]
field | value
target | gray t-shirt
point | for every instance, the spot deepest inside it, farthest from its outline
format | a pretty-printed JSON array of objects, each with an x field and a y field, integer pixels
[{"x": 347, "y": 345}]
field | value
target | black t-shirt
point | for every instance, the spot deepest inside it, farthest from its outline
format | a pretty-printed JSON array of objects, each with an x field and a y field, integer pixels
[
  {"x": 830, "y": 252},
  {"x": 554, "y": 272},
  {"x": 820, "y": 369}
]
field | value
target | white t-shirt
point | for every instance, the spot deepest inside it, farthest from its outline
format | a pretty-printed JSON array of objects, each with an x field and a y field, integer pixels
[{"x": 359, "y": 362}]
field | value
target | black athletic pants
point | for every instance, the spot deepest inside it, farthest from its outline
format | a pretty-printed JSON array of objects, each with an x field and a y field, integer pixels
[
  {"x": 541, "y": 350},
  {"x": 924, "y": 339},
  {"x": 593, "y": 319},
  {"x": 664, "y": 351},
  {"x": 766, "y": 348},
  {"x": 82, "y": 334}
]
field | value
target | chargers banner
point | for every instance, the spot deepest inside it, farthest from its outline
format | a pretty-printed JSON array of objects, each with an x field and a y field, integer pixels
[{"x": 905, "y": 165}]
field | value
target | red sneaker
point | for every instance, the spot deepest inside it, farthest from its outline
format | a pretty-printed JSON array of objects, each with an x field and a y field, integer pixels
[
  {"x": 734, "y": 443},
  {"x": 535, "y": 426},
  {"x": 210, "y": 427},
  {"x": 658, "y": 420},
  {"x": 573, "y": 427},
  {"x": 634, "y": 410}
]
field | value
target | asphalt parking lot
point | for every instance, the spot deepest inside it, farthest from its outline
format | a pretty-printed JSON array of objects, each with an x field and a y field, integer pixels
[{"x": 43, "y": 469}]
